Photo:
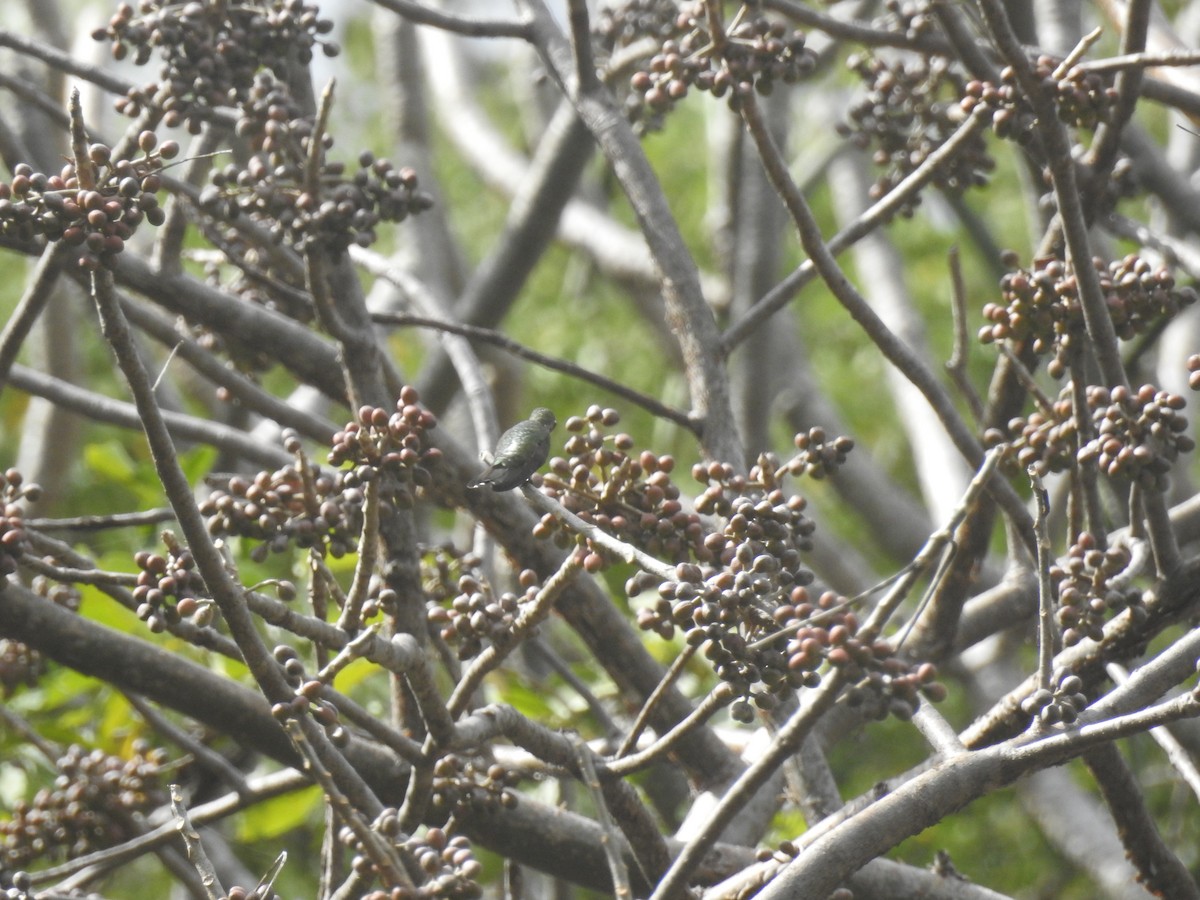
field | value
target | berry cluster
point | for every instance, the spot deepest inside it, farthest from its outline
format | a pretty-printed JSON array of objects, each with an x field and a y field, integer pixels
[
  {"x": 1083, "y": 99},
  {"x": 210, "y": 51},
  {"x": 909, "y": 111},
  {"x": 881, "y": 681},
  {"x": 755, "y": 594},
  {"x": 1039, "y": 306},
  {"x": 98, "y": 212},
  {"x": 884, "y": 684},
  {"x": 460, "y": 783},
  {"x": 634, "y": 20},
  {"x": 819, "y": 455},
  {"x": 448, "y": 864},
  {"x": 1193, "y": 367},
  {"x": 380, "y": 598},
  {"x": 308, "y": 699},
  {"x": 1139, "y": 435},
  {"x": 91, "y": 806},
  {"x": 1060, "y": 705},
  {"x": 739, "y": 585},
  {"x": 237, "y": 53},
  {"x": 476, "y": 614},
  {"x": 912, "y": 19},
  {"x": 392, "y": 446},
  {"x": 1043, "y": 305},
  {"x": 1141, "y": 296},
  {"x": 344, "y": 210},
  {"x": 20, "y": 664},
  {"x": 764, "y": 530},
  {"x": 441, "y": 568},
  {"x": 629, "y": 496},
  {"x": 752, "y": 54},
  {"x": 1045, "y": 439},
  {"x": 1088, "y": 593},
  {"x": 298, "y": 505},
  {"x": 169, "y": 587},
  {"x": 13, "y": 540}
]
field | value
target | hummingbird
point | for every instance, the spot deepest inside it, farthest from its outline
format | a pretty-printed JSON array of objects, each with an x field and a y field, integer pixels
[{"x": 520, "y": 452}]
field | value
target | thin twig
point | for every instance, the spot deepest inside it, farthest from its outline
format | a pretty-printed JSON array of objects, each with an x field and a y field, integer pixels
[
  {"x": 599, "y": 537},
  {"x": 195, "y": 847},
  {"x": 932, "y": 551},
  {"x": 41, "y": 288},
  {"x": 581, "y": 44},
  {"x": 368, "y": 553},
  {"x": 497, "y": 339},
  {"x": 643, "y": 717},
  {"x": 205, "y": 757},
  {"x": 1142, "y": 60},
  {"x": 720, "y": 697},
  {"x": 1177, "y": 755},
  {"x": 116, "y": 412},
  {"x": 1047, "y": 632},
  {"x": 1085, "y": 43},
  {"x": 100, "y": 523},
  {"x": 813, "y": 706},
  {"x": 609, "y": 834},
  {"x": 71, "y": 575},
  {"x": 468, "y": 27},
  {"x": 956, "y": 365}
]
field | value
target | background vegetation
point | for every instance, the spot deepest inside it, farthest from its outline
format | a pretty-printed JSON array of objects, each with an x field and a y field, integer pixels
[{"x": 864, "y": 564}]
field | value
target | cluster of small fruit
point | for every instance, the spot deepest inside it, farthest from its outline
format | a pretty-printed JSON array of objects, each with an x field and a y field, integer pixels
[
  {"x": 446, "y": 861},
  {"x": 210, "y": 51},
  {"x": 1062, "y": 704},
  {"x": 626, "y": 494},
  {"x": 295, "y": 506},
  {"x": 390, "y": 445},
  {"x": 91, "y": 805},
  {"x": 169, "y": 588},
  {"x": 1139, "y": 434},
  {"x": 1042, "y": 305},
  {"x": 1045, "y": 439},
  {"x": 620, "y": 25},
  {"x": 909, "y": 110},
  {"x": 20, "y": 664},
  {"x": 13, "y": 539},
  {"x": 308, "y": 699},
  {"x": 1088, "y": 593},
  {"x": 748, "y": 604},
  {"x": 475, "y": 614},
  {"x": 462, "y": 783},
  {"x": 1082, "y": 98},
  {"x": 98, "y": 212},
  {"x": 339, "y": 210},
  {"x": 751, "y": 55},
  {"x": 912, "y": 18}
]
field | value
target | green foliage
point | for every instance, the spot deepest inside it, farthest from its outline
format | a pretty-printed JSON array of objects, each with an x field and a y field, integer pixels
[{"x": 280, "y": 816}]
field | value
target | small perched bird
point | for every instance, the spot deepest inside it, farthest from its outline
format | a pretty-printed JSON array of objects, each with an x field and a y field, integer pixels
[{"x": 519, "y": 453}]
